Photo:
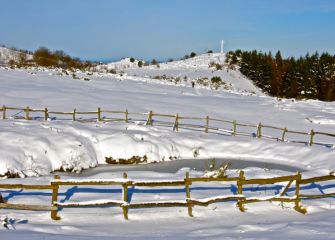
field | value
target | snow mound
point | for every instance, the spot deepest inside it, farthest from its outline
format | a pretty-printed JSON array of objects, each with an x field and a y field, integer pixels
[
  {"x": 123, "y": 64},
  {"x": 197, "y": 62},
  {"x": 37, "y": 148}
]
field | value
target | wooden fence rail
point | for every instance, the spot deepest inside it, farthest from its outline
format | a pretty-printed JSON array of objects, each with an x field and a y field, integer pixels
[
  {"x": 241, "y": 200},
  {"x": 205, "y": 124}
]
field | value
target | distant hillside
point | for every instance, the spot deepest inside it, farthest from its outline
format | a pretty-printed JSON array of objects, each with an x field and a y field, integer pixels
[
  {"x": 42, "y": 57},
  {"x": 201, "y": 61},
  {"x": 7, "y": 54},
  {"x": 198, "y": 71},
  {"x": 123, "y": 64}
]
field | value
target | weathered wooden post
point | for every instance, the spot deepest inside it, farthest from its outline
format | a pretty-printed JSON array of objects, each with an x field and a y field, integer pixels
[
  {"x": 240, "y": 190},
  {"x": 234, "y": 127},
  {"x": 46, "y": 114},
  {"x": 27, "y": 113},
  {"x": 54, "y": 198},
  {"x": 240, "y": 183},
  {"x": 126, "y": 116},
  {"x": 125, "y": 198},
  {"x": 3, "y": 112},
  {"x": 74, "y": 115},
  {"x": 176, "y": 123},
  {"x": 2, "y": 200},
  {"x": 311, "y": 136},
  {"x": 99, "y": 114},
  {"x": 283, "y": 135},
  {"x": 149, "y": 121},
  {"x": 188, "y": 193},
  {"x": 259, "y": 130},
  {"x": 207, "y": 124},
  {"x": 297, "y": 202}
]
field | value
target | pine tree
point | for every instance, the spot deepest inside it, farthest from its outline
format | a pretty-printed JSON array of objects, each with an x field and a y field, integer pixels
[{"x": 311, "y": 76}]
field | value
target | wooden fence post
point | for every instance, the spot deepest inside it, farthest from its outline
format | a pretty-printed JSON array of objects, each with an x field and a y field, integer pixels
[
  {"x": 2, "y": 200},
  {"x": 311, "y": 136},
  {"x": 54, "y": 198},
  {"x": 240, "y": 190},
  {"x": 283, "y": 135},
  {"x": 27, "y": 113},
  {"x": 259, "y": 130},
  {"x": 188, "y": 193},
  {"x": 126, "y": 116},
  {"x": 99, "y": 114},
  {"x": 149, "y": 121},
  {"x": 74, "y": 115},
  {"x": 176, "y": 123},
  {"x": 125, "y": 197},
  {"x": 207, "y": 124},
  {"x": 297, "y": 202},
  {"x": 3, "y": 112},
  {"x": 46, "y": 114},
  {"x": 234, "y": 127}
]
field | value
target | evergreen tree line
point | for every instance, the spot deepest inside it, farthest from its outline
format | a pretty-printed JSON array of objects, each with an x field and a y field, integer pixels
[{"x": 311, "y": 76}]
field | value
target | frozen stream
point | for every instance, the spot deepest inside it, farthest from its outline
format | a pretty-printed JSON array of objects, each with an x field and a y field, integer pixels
[{"x": 174, "y": 166}]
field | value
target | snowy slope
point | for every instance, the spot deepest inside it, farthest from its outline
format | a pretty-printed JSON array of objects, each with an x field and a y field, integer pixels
[
  {"x": 86, "y": 145},
  {"x": 121, "y": 65},
  {"x": 189, "y": 70},
  {"x": 198, "y": 62},
  {"x": 7, "y": 54},
  {"x": 36, "y": 148}
]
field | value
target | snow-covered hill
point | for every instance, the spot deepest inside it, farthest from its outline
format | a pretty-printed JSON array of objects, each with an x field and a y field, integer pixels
[
  {"x": 198, "y": 62},
  {"x": 121, "y": 65},
  {"x": 199, "y": 69},
  {"x": 7, "y": 54}
]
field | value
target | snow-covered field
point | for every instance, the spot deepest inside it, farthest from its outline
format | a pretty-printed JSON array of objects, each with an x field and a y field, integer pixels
[
  {"x": 218, "y": 221},
  {"x": 37, "y": 148}
]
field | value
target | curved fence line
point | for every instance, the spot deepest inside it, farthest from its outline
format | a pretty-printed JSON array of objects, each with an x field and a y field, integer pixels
[
  {"x": 128, "y": 184},
  {"x": 175, "y": 121}
]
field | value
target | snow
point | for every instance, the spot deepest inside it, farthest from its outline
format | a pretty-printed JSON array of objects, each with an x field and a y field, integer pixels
[
  {"x": 261, "y": 220},
  {"x": 92, "y": 181},
  {"x": 91, "y": 203},
  {"x": 217, "y": 198},
  {"x": 38, "y": 148},
  {"x": 321, "y": 120},
  {"x": 192, "y": 69},
  {"x": 7, "y": 54},
  {"x": 119, "y": 65},
  {"x": 76, "y": 146}
]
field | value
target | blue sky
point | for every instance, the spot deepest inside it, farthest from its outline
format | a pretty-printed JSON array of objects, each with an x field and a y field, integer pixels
[{"x": 162, "y": 29}]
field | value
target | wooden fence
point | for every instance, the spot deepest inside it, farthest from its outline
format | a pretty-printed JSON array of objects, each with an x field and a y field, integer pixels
[
  {"x": 175, "y": 121},
  {"x": 189, "y": 202}
]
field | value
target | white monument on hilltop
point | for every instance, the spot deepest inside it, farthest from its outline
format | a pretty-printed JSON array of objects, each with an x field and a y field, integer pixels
[{"x": 221, "y": 46}]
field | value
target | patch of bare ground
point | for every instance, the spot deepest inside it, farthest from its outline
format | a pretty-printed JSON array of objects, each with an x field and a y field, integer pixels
[
  {"x": 132, "y": 160},
  {"x": 10, "y": 175}
]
